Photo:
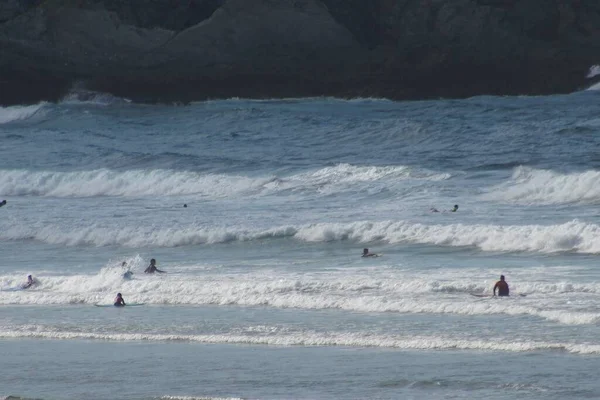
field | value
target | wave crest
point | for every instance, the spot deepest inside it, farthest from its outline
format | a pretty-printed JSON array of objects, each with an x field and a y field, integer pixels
[
  {"x": 573, "y": 236},
  {"x": 162, "y": 182},
  {"x": 324, "y": 339},
  {"x": 19, "y": 113},
  {"x": 535, "y": 186}
]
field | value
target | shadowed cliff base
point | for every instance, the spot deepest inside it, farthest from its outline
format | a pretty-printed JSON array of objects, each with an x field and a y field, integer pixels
[
  {"x": 152, "y": 51},
  {"x": 403, "y": 85},
  {"x": 456, "y": 81}
]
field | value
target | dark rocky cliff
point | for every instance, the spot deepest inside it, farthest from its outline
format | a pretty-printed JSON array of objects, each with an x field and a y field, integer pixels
[{"x": 182, "y": 50}]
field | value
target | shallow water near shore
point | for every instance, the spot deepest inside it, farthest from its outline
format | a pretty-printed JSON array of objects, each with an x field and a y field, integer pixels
[{"x": 98, "y": 370}]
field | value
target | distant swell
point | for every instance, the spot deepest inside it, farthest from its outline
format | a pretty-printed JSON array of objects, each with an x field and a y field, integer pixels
[{"x": 535, "y": 186}]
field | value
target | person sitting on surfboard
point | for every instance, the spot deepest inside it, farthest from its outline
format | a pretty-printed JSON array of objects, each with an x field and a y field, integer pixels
[
  {"x": 367, "y": 254},
  {"x": 30, "y": 282},
  {"x": 152, "y": 268},
  {"x": 502, "y": 287},
  {"x": 119, "y": 302}
]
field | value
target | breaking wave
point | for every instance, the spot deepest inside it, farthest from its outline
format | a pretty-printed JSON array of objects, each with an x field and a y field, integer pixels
[
  {"x": 136, "y": 183},
  {"x": 573, "y": 236},
  {"x": 369, "y": 291},
  {"x": 324, "y": 339},
  {"x": 544, "y": 187},
  {"x": 19, "y": 113}
]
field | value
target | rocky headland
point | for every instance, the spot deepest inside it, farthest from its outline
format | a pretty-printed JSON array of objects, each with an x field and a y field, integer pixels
[{"x": 186, "y": 50}]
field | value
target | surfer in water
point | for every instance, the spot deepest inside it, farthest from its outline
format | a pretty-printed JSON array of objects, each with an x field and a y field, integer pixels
[
  {"x": 119, "y": 302},
  {"x": 454, "y": 209},
  {"x": 30, "y": 282},
  {"x": 367, "y": 254},
  {"x": 502, "y": 287},
  {"x": 2, "y": 203},
  {"x": 152, "y": 268},
  {"x": 128, "y": 274}
]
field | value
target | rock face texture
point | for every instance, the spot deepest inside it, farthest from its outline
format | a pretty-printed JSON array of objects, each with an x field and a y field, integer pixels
[{"x": 184, "y": 50}]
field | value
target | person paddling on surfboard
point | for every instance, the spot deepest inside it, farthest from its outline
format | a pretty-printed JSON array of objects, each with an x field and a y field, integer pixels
[
  {"x": 119, "y": 302},
  {"x": 502, "y": 287},
  {"x": 152, "y": 268},
  {"x": 367, "y": 254},
  {"x": 454, "y": 209}
]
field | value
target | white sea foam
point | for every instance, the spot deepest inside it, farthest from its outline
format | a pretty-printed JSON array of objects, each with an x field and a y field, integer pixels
[
  {"x": 373, "y": 292},
  {"x": 138, "y": 183},
  {"x": 329, "y": 179},
  {"x": 573, "y": 236},
  {"x": 18, "y": 113},
  {"x": 535, "y": 186},
  {"x": 321, "y": 339},
  {"x": 594, "y": 71}
]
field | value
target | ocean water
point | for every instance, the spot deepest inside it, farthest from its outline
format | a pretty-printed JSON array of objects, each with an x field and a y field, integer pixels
[{"x": 265, "y": 294}]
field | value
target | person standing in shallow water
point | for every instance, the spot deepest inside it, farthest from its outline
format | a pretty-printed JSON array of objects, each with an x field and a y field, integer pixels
[
  {"x": 502, "y": 287},
  {"x": 152, "y": 268}
]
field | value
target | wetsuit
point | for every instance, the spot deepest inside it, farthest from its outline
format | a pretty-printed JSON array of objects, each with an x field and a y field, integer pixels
[
  {"x": 502, "y": 287},
  {"x": 152, "y": 269},
  {"x": 119, "y": 302}
]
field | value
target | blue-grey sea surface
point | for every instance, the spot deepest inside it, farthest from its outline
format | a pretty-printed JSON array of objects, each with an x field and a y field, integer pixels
[{"x": 259, "y": 211}]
